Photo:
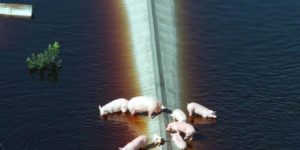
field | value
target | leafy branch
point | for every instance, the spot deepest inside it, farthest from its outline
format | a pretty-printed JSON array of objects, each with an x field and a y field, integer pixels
[{"x": 48, "y": 59}]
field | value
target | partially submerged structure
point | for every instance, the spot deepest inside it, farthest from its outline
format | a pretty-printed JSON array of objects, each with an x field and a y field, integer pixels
[
  {"x": 153, "y": 38},
  {"x": 16, "y": 10}
]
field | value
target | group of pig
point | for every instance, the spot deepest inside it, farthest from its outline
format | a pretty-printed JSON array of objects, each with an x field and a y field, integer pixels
[{"x": 150, "y": 105}]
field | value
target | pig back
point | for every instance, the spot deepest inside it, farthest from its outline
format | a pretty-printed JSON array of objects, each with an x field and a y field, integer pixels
[{"x": 142, "y": 103}]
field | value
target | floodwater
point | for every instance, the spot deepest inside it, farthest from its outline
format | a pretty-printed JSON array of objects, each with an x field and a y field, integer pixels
[
  {"x": 238, "y": 58},
  {"x": 242, "y": 59}
]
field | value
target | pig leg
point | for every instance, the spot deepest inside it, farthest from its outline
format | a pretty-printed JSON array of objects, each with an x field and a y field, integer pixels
[
  {"x": 188, "y": 137},
  {"x": 190, "y": 112},
  {"x": 132, "y": 112},
  {"x": 149, "y": 114},
  {"x": 124, "y": 110}
]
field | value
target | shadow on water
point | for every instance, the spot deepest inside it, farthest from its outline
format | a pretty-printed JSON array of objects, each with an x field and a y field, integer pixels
[
  {"x": 198, "y": 120},
  {"x": 143, "y": 114},
  {"x": 168, "y": 111},
  {"x": 150, "y": 146},
  {"x": 136, "y": 122},
  {"x": 126, "y": 117},
  {"x": 50, "y": 75}
]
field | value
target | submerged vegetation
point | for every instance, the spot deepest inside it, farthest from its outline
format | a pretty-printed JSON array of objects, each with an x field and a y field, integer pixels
[
  {"x": 47, "y": 63},
  {"x": 48, "y": 59}
]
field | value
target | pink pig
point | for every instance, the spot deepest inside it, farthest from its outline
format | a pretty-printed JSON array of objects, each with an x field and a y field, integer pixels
[
  {"x": 184, "y": 127},
  {"x": 200, "y": 110},
  {"x": 117, "y": 105},
  {"x": 178, "y": 115},
  {"x": 138, "y": 143},
  {"x": 144, "y": 104},
  {"x": 179, "y": 142}
]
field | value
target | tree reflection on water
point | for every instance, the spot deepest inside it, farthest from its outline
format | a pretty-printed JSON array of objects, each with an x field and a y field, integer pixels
[{"x": 50, "y": 75}]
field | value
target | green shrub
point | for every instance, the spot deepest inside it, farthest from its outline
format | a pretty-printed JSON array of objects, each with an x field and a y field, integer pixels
[{"x": 45, "y": 60}]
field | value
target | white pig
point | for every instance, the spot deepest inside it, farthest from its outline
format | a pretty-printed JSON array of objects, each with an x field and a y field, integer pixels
[
  {"x": 200, "y": 110},
  {"x": 179, "y": 142},
  {"x": 117, "y": 105},
  {"x": 178, "y": 115},
  {"x": 138, "y": 143},
  {"x": 157, "y": 139},
  {"x": 184, "y": 127},
  {"x": 144, "y": 104}
]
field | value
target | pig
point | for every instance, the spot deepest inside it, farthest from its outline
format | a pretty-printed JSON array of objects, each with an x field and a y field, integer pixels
[
  {"x": 157, "y": 139},
  {"x": 200, "y": 110},
  {"x": 144, "y": 104},
  {"x": 179, "y": 142},
  {"x": 139, "y": 142},
  {"x": 118, "y": 105},
  {"x": 179, "y": 115},
  {"x": 184, "y": 127}
]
